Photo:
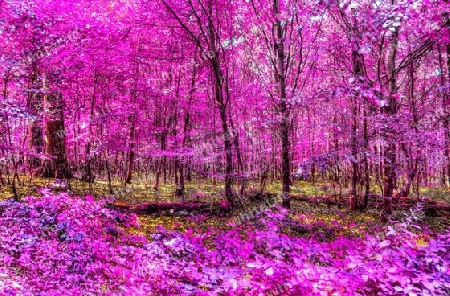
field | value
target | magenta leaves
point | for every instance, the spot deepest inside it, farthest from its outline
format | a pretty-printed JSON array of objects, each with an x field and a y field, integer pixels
[{"x": 64, "y": 245}]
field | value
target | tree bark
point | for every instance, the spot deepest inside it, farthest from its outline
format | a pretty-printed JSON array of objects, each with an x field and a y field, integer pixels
[
  {"x": 55, "y": 136},
  {"x": 389, "y": 111},
  {"x": 447, "y": 118},
  {"x": 366, "y": 160},
  {"x": 131, "y": 146},
  {"x": 221, "y": 101},
  {"x": 410, "y": 161},
  {"x": 208, "y": 40},
  {"x": 280, "y": 78},
  {"x": 87, "y": 174},
  {"x": 354, "y": 149},
  {"x": 34, "y": 103},
  {"x": 157, "y": 175},
  {"x": 357, "y": 75}
]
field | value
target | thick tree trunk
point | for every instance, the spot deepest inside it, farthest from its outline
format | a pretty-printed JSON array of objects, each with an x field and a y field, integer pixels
[{"x": 55, "y": 145}]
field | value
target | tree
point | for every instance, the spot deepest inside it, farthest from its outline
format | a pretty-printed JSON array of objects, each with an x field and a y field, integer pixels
[
  {"x": 281, "y": 31},
  {"x": 55, "y": 132},
  {"x": 207, "y": 28}
]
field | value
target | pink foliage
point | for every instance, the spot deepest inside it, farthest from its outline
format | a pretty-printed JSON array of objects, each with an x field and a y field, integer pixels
[{"x": 63, "y": 245}]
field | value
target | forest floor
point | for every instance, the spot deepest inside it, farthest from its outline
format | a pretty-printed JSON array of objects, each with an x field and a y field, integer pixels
[
  {"x": 247, "y": 233},
  {"x": 205, "y": 190}
]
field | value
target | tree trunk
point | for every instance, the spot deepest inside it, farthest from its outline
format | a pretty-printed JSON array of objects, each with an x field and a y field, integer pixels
[
  {"x": 87, "y": 174},
  {"x": 55, "y": 136},
  {"x": 34, "y": 103},
  {"x": 186, "y": 137},
  {"x": 131, "y": 152},
  {"x": 366, "y": 161},
  {"x": 280, "y": 79},
  {"x": 410, "y": 162},
  {"x": 447, "y": 119},
  {"x": 354, "y": 148},
  {"x": 357, "y": 74},
  {"x": 222, "y": 102},
  {"x": 228, "y": 156},
  {"x": 242, "y": 178},
  {"x": 108, "y": 171},
  {"x": 157, "y": 175},
  {"x": 389, "y": 111}
]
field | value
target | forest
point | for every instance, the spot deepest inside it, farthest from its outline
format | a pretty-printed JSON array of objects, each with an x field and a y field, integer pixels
[{"x": 225, "y": 147}]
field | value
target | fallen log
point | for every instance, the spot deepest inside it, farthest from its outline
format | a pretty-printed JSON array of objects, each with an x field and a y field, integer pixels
[
  {"x": 301, "y": 197},
  {"x": 174, "y": 208},
  {"x": 329, "y": 200}
]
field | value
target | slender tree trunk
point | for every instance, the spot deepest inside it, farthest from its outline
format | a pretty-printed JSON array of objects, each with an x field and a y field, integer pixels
[
  {"x": 354, "y": 150},
  {"x": 228, "y": 156},
  {"x": 222, "y": 102},
  {"x": 447, "y": 119},
  {"x": 157, "y": 175},
  {"x": 366, "y": 160},
  {"x": 108, "y": 171},
  {"x": 389, "y": 111},
  {"x": 357, "y": 74},
  {"x": 10, "y": 143},
  {"x": 280, "y": 78},
  {"x": 34, "y": 103},
  {"x": 240, "y": 163},
  {"x": 446, "y": 103},
  {"x": 186, "y": 138},
  {"x": 412, "y": 170},
  {"x": 87, "y": 175},
  {"x": 410, "y": 161},
  {"x": 132, "y": 144},
  {"x": 179, "y": 180}
]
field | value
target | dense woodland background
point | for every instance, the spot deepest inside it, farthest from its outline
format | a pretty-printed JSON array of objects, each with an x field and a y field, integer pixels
[
  {"x": 353, "y": 93},
  {"x": 224, "y": 147}
]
